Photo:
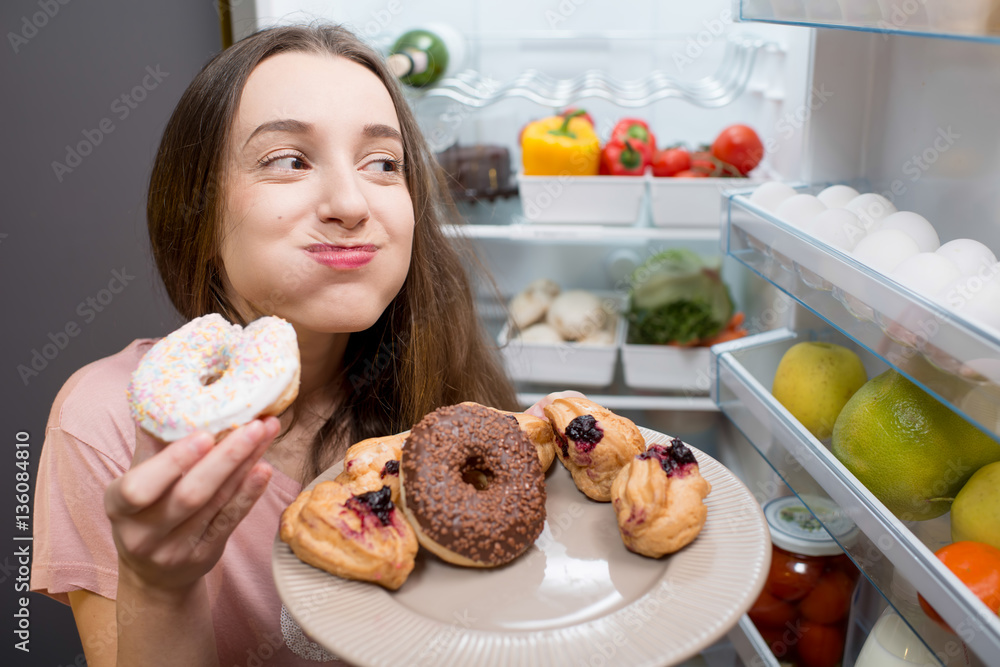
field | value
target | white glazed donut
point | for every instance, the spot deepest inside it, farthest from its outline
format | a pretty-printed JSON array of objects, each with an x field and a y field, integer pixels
[{"x": 213, "y": 376}]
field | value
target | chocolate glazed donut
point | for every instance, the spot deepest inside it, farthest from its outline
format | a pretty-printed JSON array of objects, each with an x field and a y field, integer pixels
[{"x": 472, "y": 486}]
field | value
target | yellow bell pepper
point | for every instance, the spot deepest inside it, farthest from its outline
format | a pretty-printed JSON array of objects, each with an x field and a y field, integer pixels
[{"x": 560, "y": 145}]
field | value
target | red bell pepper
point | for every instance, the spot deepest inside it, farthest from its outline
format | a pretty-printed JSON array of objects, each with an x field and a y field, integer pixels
[
  {"x": 636, "y": 130},
  {"x": 623, "y": 159}
]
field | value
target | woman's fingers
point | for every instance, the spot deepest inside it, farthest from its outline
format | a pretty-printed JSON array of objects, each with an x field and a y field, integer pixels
[
  {"x": 215, "y": 478},
  {"x": 146, "y": 483},
  {"x": 538, "y": 409},
  {"x": 216, "y": 522}
]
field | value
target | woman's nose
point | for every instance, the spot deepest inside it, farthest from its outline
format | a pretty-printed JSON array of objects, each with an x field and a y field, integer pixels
[{"x": 342, "y": 201}]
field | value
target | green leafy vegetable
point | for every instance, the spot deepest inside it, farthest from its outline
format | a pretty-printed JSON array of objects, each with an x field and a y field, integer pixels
[{"x": 677, "y": 298}]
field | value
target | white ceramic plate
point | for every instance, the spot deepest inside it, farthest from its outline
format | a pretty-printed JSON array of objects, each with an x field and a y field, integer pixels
[{"x": 577, "y": 597}]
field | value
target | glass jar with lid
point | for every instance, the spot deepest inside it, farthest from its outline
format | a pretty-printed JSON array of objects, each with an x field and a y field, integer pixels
[{"x": 803, "y": 610}]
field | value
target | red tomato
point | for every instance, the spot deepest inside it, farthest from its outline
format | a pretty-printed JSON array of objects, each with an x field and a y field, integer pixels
[
  {"x": 830, "y": 600},
  {"x": 774, "y": 638},
  {"x": 703, "y": 162},
  {"x": 792, "y": 577},
  {"x": 770, "y": 612},
  {"x": 671, "y": 161},
  {"x": 739, "y": 146},
  {"x": 687, "y": 173},
  {"x": 843, "y": 563},
  {"x": 820, "y": 645}
]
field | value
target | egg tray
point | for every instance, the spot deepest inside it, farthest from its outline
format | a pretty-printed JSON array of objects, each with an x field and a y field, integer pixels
[{"x": 919, "y": 326}]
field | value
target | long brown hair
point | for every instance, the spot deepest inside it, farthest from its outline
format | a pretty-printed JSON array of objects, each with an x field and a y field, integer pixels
[{"x": 427, "y": 349}]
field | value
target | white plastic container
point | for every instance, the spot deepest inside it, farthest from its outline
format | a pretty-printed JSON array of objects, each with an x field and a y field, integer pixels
[
  {"x": 566, "y": 364},
  {"x": 605, "y": 200},
  {"x": 667, "y": 367},
  {"x": 689, "y": 202}
]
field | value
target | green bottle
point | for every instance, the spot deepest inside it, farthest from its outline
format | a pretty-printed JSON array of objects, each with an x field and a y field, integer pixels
[{"x": 423, "y": 56}]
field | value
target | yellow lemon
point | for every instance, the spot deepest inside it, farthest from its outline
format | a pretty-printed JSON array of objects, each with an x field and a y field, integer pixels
[
  {"x": 911, "y": 451},
  {"x": 814, "y": 380}
]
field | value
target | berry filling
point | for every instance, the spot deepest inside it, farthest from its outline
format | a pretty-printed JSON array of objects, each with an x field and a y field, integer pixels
[
  {"x": 563, "y": 443},
  {"x": 673, "y": 458},
  {"x": 585, "y": 432},
  {"x": 378, "y": 503},
  {"x": 390, "y": 468}
]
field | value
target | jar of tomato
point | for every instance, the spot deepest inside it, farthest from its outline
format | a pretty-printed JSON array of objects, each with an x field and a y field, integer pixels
[{"x": 802, "y": 612}]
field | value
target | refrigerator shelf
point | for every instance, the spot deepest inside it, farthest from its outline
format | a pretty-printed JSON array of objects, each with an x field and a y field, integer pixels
[
  {"x": 744, "y": 371},
  {"x": 975, "y": 20},
  {"x": 623, "y": 401},
  {"x": 954, "y": 359},
  {"x": 521, "y": 229},
  {"x": 749, "y": 645},
  {"x": 474, "y": 90}
]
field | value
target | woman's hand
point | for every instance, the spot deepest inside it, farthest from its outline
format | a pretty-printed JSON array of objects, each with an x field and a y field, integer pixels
[
  {"x": 538, "y": 409},
  {"x": 173, "y": 511}
]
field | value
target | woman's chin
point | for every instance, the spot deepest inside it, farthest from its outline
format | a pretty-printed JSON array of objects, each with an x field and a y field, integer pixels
[{"x": 327, "y": 325}]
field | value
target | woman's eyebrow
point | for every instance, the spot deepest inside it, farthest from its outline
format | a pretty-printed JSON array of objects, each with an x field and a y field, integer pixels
[
  {"x": 378, "y": 131},
  {"x": 282, "y": 125}
]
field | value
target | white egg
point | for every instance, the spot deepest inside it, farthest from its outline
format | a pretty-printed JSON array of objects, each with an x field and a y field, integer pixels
[
  {"x": 799, "y": 209},
  {"x": 837, "y": 196},
  {"x": 885, "y": 249},
  {"x": 984, "y": 307},
  {"x": 769, "y": 195},
  {"x": 976, "y": 297},
  {"x": 916, "y": 227},
  {"x": 969, "y": 255},
  {"x": 926, "y": 273},
  {"x": 837, "y": 227},
  {"x": 871, "y": 208}
]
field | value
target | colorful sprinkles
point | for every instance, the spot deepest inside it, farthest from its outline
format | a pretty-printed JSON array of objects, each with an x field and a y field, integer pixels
[{"x": 211, "y": 375}]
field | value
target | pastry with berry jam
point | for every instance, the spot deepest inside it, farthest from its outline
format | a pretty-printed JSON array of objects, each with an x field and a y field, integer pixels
[
  {"x": 593, "y": 443},
  {"x": 373, "y": 463},
  {"x": 659, "y": 500},
  {"x": 540, "y": 434},
  {"x": 356, "y": 536}
]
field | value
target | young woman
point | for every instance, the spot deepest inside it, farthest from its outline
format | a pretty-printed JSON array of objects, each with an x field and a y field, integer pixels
[{"x": 291, "y": 180}]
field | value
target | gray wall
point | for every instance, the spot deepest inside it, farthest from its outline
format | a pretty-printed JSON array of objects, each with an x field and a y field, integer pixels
[{"x": 64, "y": 65}]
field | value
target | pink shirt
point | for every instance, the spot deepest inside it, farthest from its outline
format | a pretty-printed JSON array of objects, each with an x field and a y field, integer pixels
[{"x": 89, "y": 441}]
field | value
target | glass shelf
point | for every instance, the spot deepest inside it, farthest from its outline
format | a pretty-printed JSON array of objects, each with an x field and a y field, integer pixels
[
  {"x": 750, "y": 646},
  {"x": 969, "y": 20},
  {"x": 950, "y": 357},
  {"x": 471, "y": 89},
  {"x": 520, "y": 229},
  {"x": 744, "y": 370}
]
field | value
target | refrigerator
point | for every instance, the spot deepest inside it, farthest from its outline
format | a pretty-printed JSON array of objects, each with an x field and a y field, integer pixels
[{"x": 895, "y": 97}]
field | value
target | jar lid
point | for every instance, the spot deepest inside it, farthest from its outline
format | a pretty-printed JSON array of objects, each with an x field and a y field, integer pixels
[{"x": 795, "y": 529}]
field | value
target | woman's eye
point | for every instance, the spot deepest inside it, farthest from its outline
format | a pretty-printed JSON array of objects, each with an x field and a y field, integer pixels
[
  {"x": 384, "y": 165},
  {"x": 290, "y": 162}
]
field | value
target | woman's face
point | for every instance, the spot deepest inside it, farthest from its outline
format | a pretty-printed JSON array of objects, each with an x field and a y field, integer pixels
[{"x": 318, "y": 222}]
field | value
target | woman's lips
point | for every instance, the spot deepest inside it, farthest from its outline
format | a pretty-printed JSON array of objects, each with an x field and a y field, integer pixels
[{"x": 342, "y": 257}]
